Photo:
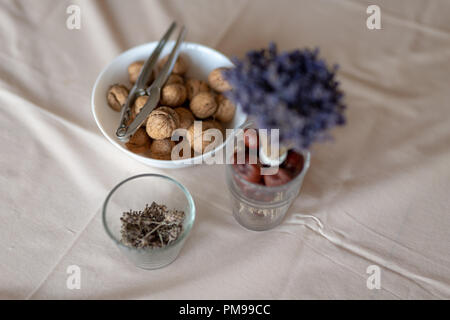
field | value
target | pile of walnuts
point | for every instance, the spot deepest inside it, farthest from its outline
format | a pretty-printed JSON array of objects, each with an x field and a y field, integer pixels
[{"x": 183, "y": 101}]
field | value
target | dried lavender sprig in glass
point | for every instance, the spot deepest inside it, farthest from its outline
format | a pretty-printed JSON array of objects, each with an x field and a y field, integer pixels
[{"x": 155, "y": 226}]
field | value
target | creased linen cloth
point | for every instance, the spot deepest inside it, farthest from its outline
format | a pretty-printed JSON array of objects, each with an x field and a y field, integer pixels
[{"x": 381, "y": 189}]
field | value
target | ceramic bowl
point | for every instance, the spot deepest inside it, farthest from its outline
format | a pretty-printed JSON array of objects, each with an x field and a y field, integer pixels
[{"x": 201, "y": 60}]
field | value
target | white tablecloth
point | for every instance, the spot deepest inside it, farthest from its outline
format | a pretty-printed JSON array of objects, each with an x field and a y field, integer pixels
[{"x": 381, "y": 188}]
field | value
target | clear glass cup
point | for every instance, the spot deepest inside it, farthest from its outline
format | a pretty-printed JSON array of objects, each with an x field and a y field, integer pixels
[
  {"x": 258, "y": 207},
  {"x": 135, "y": 193}
]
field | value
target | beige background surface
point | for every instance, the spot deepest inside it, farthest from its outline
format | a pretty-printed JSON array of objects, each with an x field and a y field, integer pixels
[{"x": 381, "y": 189}]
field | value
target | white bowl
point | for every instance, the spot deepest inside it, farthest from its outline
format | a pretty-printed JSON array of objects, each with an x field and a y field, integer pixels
[{"x": 201, "y": 60}]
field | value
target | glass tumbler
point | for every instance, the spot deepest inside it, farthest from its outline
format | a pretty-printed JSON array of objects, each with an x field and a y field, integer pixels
[
  {"x": 135, "y": 193},
  {"x": 258, "y": 207}
]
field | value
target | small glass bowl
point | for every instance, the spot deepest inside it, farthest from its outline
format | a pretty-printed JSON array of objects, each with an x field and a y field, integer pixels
[
  {"x": 257, "y": 207},
  {"x": 135, "y": 193}
]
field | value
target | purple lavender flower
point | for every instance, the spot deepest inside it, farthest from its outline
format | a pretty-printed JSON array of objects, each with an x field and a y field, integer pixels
[{"x": 293, "y": 91}]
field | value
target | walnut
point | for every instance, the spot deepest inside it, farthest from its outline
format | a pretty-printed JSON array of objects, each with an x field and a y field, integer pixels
[
  {"x": 195, "y": 86},
  {"x": 217, "y": 81},
  {"x": 117, "y": 96},
  {"x": 196, "y": 138},
  {"x": 186, "y": 117},
  {"x": 162, "y": 149},
  {"x": 139, "y": 104},
  {"x": 139, "y": 142},
  {"x": 225, "y": 109},
  {"x": 172, "y": 112},
  {"x": 161, "y": 123},
  {"x": 134, "y": 70},
  {"x": 130, "y": 119},
  {"x": 174, "y": 78},
  {"x": 173, "y": 95},
  {"x": 203, "y": 105},
  {"x": 179, "y": 68}
]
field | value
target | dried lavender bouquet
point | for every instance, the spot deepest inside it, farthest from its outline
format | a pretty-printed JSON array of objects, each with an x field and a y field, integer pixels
[
  {"x": 294, "y": 91},
  {"x": 153, "y": 227}
]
